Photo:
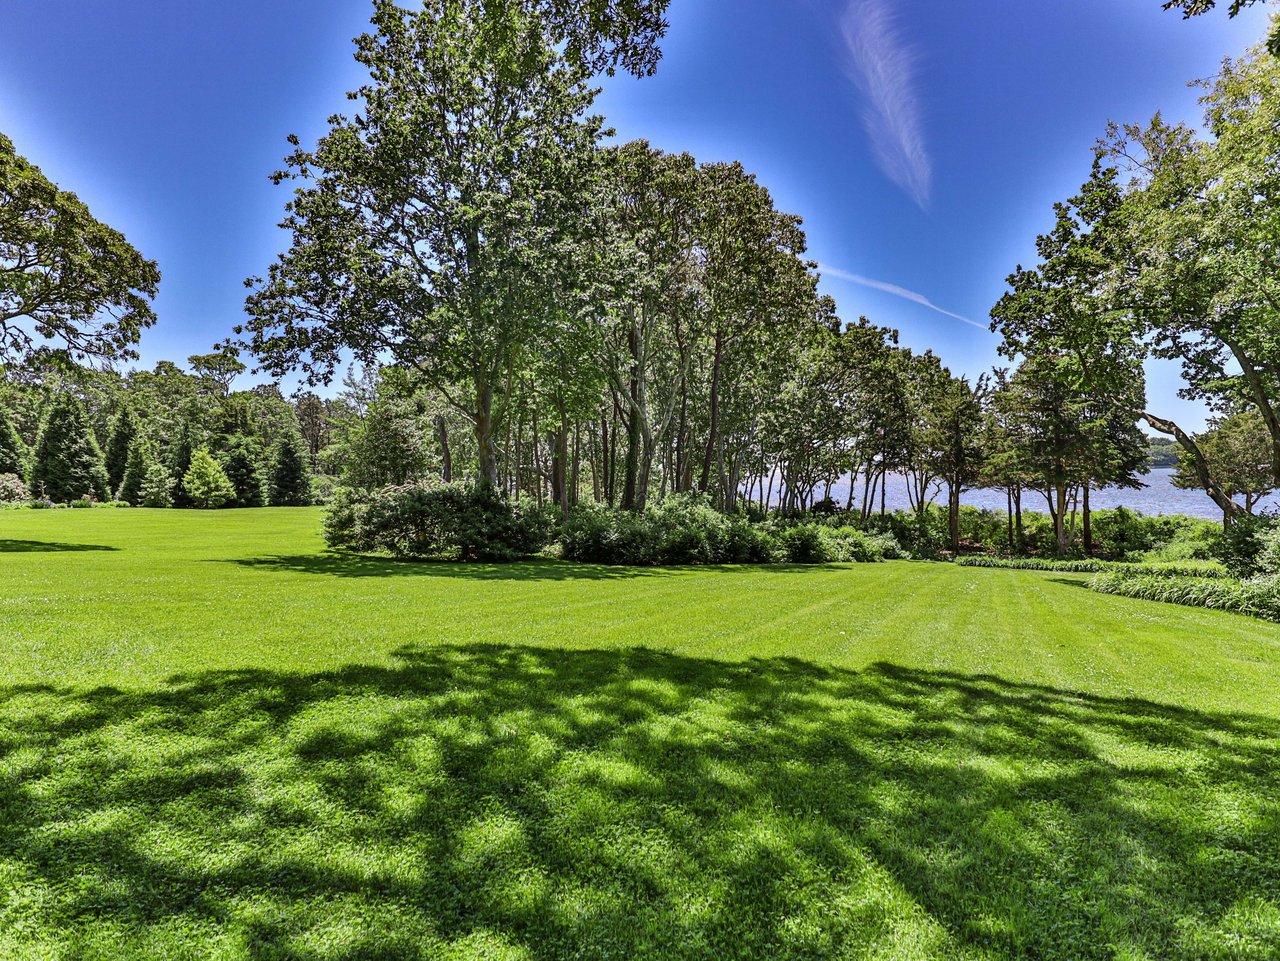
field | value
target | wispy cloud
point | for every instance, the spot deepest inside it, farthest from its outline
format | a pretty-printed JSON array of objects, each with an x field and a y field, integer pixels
[
  {"x": 897, "y": 291},
  {"x": 883, "y": 67}
]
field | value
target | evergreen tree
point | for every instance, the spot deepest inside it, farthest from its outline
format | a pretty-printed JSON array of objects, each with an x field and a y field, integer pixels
[
  {"x": 242, "y": 463},
  {"x": 138, "y": 463},
  {"x": 180, "y": 453},
  {"x": 13, "y": 453},
  {"x": 67, "y": 462},
  {"x": 290, "y": 475},
  {"x": 120, "y": 445},
  {"x": 205, "y": 483},
  {"x": 157, "y": 486}
]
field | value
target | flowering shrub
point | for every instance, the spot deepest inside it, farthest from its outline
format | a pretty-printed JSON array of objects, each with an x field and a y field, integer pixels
[{"x": 12, "y": 490}]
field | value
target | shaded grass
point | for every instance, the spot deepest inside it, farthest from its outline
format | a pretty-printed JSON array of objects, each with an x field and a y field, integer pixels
[
  {"x": 219, "y": 742},
  {"x": 494, "y": 801}
]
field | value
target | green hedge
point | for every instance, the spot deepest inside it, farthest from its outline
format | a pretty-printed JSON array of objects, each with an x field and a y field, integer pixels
[
  {"x": 1092, "y": 566},
  {"x": 1259, "y": 597}
]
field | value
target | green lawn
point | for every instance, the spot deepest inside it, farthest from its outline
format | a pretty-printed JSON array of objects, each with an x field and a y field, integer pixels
[{"x": 218, "y": 741}]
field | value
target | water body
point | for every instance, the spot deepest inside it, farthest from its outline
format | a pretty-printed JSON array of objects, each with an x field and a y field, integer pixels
[{"x": 1156, "y": 496}]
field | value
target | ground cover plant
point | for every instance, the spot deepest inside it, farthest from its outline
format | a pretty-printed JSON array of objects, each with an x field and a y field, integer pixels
[{"x": 219, "y": 741}]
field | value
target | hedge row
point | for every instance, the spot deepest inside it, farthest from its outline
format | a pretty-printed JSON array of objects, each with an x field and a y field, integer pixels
[
  {"x": 1093, "y": 566},
  {"x": 459, "y": 522},
  {"x": 1259, "y": 597}
]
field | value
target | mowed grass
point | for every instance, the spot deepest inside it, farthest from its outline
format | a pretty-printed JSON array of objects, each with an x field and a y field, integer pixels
[{"x": 218, "y": 741}]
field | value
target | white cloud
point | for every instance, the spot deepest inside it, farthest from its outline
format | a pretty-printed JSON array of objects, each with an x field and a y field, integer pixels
[
  {"x": 897, "y": 291},
  {"x": 883, "y": 67}
]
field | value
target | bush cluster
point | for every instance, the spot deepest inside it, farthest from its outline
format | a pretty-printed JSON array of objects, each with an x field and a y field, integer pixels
[
  {"x": 12, "y": 490},
  {"x": 680, "y": 530},
  {"x": 1258, "y": 596},
  {"x": 687, "y": 530},
  {"x": 430, "y": 519}
]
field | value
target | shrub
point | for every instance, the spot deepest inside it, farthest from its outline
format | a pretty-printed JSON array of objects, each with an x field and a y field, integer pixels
[
  {"x": 206, "y": 483},
  {"x": 804, "y": 544},
  {"x": 597, "y": 534},
  {"x": 157, "y": 486},
  {"x": 1267, "y": 561},
  {"x": 1258, "y": 597},
  {"x": 12, "y": 490},
  {"x": 683, "y": 529},
  {"x": 1243, "y": 542},
  {"x": 82, "y": 502},
  {"x": 428, "y": 519},
  {"x": 324, "y": 487}
]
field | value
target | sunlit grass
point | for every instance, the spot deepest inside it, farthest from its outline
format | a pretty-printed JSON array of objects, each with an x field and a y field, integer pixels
[{"x": 217, "y": 741}]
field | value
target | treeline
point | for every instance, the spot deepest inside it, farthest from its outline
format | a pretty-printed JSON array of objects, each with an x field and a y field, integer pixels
[
  {"x": 632, "y": 323},
  {"x": 542, "y": 312},
  {"x": 168, "y": 437}
]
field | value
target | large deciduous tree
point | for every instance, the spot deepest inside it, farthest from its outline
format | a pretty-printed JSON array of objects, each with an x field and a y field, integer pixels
[
  {"x": 70, "y": 286},
  {"x": 434, "y": 228}
]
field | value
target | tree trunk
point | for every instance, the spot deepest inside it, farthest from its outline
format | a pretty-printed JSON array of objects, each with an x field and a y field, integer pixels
[
  {"x": 487, "y": 451},
  {"x": 1059, "y": 508},
  {"x": 705, "y": 483},
  {"x": 1017, "y": 519},
  {"x": 1088, "y": 522},
  {"x": 446, "y": 464},
  {"x": 953, "y": 515},
  {"x": 1008, "y": 494},
  {"x": 1229, "y": 507}
]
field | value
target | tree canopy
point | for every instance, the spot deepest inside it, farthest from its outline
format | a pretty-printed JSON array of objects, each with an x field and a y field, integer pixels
[{"x": 71, "y": 287}]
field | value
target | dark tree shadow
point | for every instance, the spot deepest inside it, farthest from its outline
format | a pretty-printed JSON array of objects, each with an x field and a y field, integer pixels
[
  {"x": 335, "y": 564},
  {"x": 26, "y": 547},
  {"x": 501, "y": 801},
  {"x": 361, "y": 565}
]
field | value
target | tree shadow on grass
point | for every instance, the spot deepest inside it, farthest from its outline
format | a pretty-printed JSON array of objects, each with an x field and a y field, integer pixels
[
  {"x": 499, "y": 801},
  {"x": 8, "y": 546},
  {"x": 335, "y": 564}
]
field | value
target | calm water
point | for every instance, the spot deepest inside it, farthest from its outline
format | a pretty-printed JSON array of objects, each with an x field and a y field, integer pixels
[{"x": 1159, "y": 496}]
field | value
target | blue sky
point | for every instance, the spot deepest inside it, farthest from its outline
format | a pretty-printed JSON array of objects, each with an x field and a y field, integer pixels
[{"x": 923, "y": 141}]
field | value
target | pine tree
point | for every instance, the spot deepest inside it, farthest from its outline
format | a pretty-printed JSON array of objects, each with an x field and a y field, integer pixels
[
  {"x": 205, "y": 483},
  {"x": 138, "y": 463},
  {"x": 119, "y": 446},
  {"x": 242, "y": 462},
  {"x": 13, "y": 453},
  {"x": 290, "y": 475},
  {"x": 67, "y": 462},
  {"x": 157, "y": 486},
  {"x": 180, "y": 454}
]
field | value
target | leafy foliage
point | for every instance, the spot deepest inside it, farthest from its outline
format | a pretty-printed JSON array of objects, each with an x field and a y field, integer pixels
[
  {"x": 76, "y": 288},
  {"x": 12, "y": 490},
  {"x": 205, "y": 483},
  {"x": 157, "y": 486},
  {"x": 1257, "y": 597},
  {"x": 435, "y": 520}
]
